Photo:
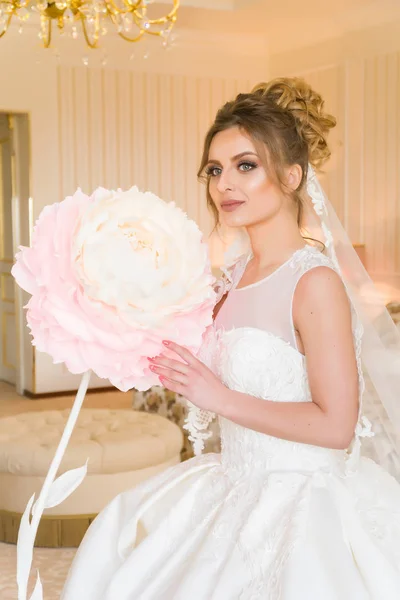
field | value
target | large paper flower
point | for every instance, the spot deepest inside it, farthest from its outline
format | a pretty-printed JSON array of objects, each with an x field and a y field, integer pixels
[{"x": 111, "y": 276}]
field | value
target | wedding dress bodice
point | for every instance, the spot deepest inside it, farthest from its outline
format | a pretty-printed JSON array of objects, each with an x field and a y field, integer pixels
[{"x": 254, "y": 351}]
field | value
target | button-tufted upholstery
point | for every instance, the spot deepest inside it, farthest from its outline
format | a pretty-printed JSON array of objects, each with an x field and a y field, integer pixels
[{"x": 123, "y": 448}]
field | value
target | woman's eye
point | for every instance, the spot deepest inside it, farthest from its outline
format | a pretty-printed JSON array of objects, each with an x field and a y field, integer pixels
[
  {"x": 247, "y": 166},
  {"x": 213, "y": 171}
]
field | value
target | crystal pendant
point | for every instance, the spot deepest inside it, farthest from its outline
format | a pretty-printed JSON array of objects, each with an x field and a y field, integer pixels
[
  {"x": 68, "y": 16},
  {"x": 41, "y": 5},
  {"x": 128, "y": 22},
  {"x": 23, "y": 14},
  {"x": 99, "y": 6}
]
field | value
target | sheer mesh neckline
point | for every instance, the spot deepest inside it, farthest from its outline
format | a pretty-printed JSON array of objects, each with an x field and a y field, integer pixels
[{"x": 264, "y": 279}]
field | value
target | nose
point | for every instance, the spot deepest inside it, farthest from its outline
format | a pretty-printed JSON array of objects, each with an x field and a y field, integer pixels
[{"x": 225, "y": 182}]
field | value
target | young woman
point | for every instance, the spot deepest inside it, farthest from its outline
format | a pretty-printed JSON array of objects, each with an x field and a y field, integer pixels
[{"x": 287, "y": 510}]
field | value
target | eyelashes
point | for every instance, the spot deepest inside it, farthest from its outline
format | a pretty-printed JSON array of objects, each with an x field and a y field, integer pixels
[
  {"x": 210, "y": 171},
  {"x": 244, "y": 167},
  {"x": 248, "y": 163}
]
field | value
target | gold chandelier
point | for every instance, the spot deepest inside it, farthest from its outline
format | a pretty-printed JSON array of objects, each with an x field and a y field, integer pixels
[{"x": 129, "y": 18}]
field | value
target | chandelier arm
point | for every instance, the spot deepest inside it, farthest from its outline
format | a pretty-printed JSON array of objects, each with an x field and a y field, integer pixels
[
  {"x": 134, "y": 5},
  {"x": 169, "y": 17},
  {"x": 6, "y": 26},
  {"x": 156, "y": 33},
  {"x": 116, "y": 10},
  {"x": 96, "y": 36},
  {"x": 137, "y": 21},
  {"x": 47, "y": 41},
  {"x": 128, "y": 39},
  {"x": 161, "y": 20},
  {"x": 134, "y": 10}
]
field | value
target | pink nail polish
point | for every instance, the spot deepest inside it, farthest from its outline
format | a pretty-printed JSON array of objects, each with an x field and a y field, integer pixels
[{"x": 166, "y": 343}]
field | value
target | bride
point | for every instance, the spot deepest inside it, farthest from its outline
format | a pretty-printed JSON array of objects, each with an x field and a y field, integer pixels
[{"x": 289, "y": 510}]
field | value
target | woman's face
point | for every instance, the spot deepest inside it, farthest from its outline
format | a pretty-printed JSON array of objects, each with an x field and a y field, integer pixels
[{"x": 239, "y": 185}]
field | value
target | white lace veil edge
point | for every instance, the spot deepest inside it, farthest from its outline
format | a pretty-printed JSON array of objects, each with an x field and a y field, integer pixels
[{"x": 380, "y": 343}]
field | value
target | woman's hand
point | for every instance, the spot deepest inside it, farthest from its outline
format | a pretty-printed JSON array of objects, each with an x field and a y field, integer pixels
[{"x": 191, "y": 378}]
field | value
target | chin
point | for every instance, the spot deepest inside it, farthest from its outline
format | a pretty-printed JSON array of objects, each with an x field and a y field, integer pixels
[{"x": 234, "y": 221}]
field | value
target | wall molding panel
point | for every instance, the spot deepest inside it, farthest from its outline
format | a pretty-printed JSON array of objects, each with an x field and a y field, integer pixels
[
  {"x": 363, "y": 176},
  {"x": 121, "y": 128}
]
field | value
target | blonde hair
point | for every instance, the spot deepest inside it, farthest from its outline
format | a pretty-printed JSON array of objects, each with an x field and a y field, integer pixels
[
  {"x": 284, "y": 116},
  {"x": 307, "y": 106}
]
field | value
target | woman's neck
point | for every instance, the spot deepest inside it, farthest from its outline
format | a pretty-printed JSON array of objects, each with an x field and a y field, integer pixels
[{"x": 273, "y": 241}]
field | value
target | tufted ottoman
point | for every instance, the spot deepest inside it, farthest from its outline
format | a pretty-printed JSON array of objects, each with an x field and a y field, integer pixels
[{"x": 123, "y": 447}]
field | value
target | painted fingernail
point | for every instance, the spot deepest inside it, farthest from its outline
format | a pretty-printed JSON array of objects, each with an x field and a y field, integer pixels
[
  {"x": 152, "y": 368},
  {"x": 150, "y": 359},
  {"x": 166, "y": 343}
]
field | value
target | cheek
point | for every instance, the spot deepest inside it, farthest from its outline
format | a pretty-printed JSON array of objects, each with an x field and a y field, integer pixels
[
  {"x": 263, "y": 202},
  {"x": 257, "y": 183},
  {"x": 213, "y": 187},
  {"x": 261, "y": 193},
  {"x": 213, "y": 192}
]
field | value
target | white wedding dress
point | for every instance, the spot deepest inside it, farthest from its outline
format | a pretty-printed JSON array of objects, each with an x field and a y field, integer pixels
[{"x": 265, "y": 519}]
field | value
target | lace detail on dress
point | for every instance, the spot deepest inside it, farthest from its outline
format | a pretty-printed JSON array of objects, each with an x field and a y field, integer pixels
[
  {"x": 309, "y": 258},
  {"x": 285, "y": 380},
  {"x": 263, "y": 548},
  {"x": 231, "y": 273},
  {"x": 364, "y": 426},
  {"x": 198, "y": 420},
  {"x": 224, "y": 283}
]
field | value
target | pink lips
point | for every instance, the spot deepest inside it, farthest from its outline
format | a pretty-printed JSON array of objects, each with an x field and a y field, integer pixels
[{"x": 229, "y": 206}]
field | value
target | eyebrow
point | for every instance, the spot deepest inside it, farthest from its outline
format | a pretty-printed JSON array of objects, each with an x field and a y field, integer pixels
[{"x": 236, "y": 157}]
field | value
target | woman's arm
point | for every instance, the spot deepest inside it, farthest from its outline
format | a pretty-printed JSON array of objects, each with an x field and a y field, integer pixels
[{"x": 322, "y": 317}]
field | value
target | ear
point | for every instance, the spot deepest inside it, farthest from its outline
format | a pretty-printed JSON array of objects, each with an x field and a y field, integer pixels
[{"x": 294, "y": 175}]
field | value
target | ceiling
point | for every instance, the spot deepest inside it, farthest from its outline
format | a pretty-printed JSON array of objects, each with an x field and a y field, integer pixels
[{"x": 288, "y": 23}]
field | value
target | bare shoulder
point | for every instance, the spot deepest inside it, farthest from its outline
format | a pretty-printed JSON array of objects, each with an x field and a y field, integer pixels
[
  {"x": 321, "y": 309},
  {"x": 320, "y": 288}
]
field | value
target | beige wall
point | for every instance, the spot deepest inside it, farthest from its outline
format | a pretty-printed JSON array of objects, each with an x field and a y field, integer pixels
[{"x": 359, "y": 76}]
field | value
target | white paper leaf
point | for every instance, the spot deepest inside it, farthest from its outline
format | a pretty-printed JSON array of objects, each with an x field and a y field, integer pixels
[
  {"x": 37, "y": 593},
  {"x": 63, "y": 487},
  {"x": 48, "y": 496},
  {"x": 24, "y": 550}
]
